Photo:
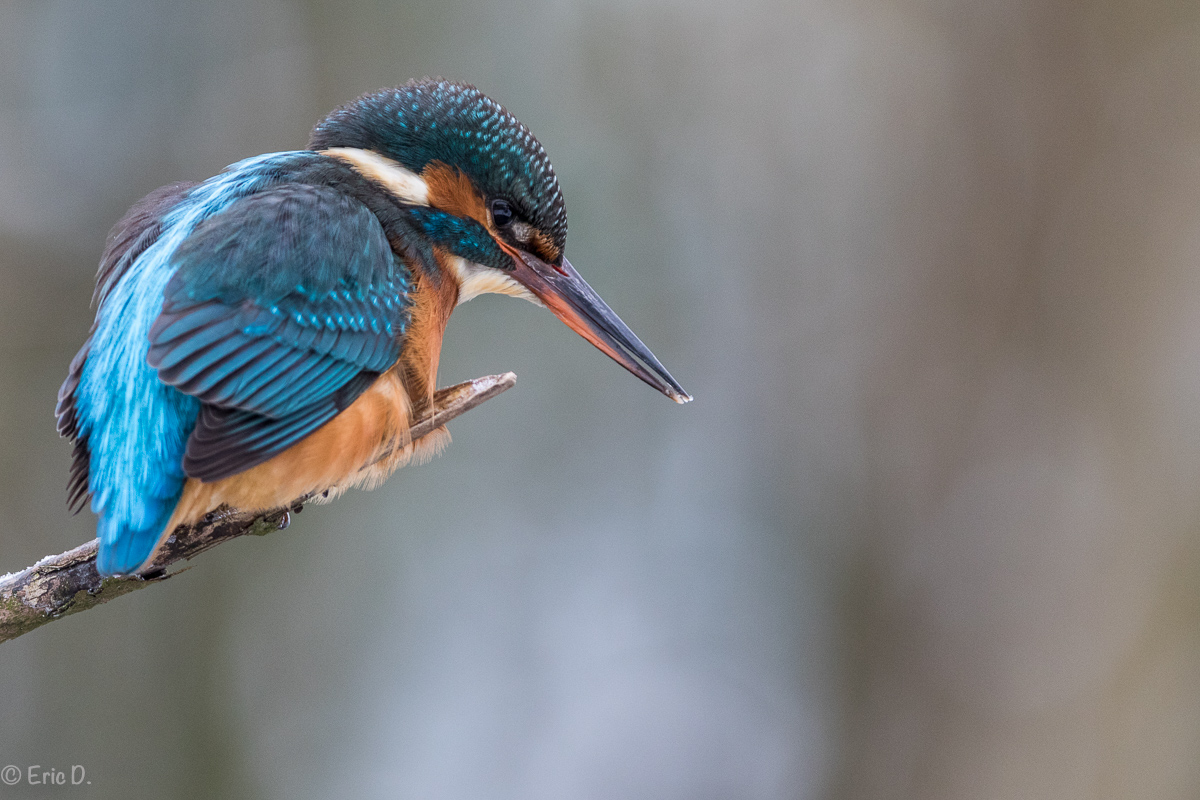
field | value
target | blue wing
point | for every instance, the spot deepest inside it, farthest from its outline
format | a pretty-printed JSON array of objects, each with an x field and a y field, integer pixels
[
  {"x": 283, "y": 309},
  {"x": 300, "y": 281}
]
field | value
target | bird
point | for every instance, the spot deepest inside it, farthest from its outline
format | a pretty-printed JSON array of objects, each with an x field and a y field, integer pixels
[{"x": 271, "y": 333}]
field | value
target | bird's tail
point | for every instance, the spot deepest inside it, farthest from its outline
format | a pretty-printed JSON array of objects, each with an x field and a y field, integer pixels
[{"x": 125, "y": 547}]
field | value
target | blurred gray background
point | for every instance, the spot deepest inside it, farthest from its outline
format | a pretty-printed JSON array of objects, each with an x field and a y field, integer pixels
[{"x": 930, "y": 529}]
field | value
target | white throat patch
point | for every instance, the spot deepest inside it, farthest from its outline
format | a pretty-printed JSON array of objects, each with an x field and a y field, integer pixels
[
  {"x": 476, "y": 279},
  {"x": 404, "y": 183}
]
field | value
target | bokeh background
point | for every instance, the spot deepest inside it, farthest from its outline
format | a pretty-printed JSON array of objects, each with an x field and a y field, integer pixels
[{"x": 930, "y": 530}]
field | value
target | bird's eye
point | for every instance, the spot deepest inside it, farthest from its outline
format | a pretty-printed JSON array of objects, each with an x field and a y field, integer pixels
[{"x": 502, "y": 213}]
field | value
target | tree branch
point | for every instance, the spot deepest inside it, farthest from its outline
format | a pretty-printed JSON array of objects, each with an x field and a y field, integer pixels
[{"x": 68, "y": 583}]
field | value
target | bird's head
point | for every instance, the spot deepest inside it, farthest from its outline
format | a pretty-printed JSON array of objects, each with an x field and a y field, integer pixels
[{"x": 482, "y": 189}]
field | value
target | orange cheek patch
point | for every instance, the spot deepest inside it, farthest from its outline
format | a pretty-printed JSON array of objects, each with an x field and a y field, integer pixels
[{"x": 450, "y": 190}]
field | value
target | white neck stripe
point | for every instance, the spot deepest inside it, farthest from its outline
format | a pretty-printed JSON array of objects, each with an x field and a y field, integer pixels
[{"x": 404, "y": 183}]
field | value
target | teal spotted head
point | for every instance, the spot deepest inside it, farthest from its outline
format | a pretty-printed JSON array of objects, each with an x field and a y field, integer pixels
[
  {"x": 482, "y": 187},
  {"x": 433, "y": 128}
]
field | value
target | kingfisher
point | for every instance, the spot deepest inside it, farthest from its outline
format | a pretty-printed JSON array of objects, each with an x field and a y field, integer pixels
[{"x": 272, "y": 332}]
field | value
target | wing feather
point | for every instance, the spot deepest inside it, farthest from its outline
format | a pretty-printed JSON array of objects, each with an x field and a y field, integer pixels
[{"x": 283, "y": 309}]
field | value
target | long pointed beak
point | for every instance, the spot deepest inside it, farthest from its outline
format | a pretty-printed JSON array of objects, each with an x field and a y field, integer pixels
[{"x": 567, "y": 294}]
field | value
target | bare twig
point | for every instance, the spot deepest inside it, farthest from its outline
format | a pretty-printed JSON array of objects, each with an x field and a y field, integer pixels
[{"x": 68, "y": 583}]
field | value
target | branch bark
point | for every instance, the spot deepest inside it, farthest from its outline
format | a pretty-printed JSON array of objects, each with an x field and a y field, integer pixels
[{"x": 67, "y": 583}]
